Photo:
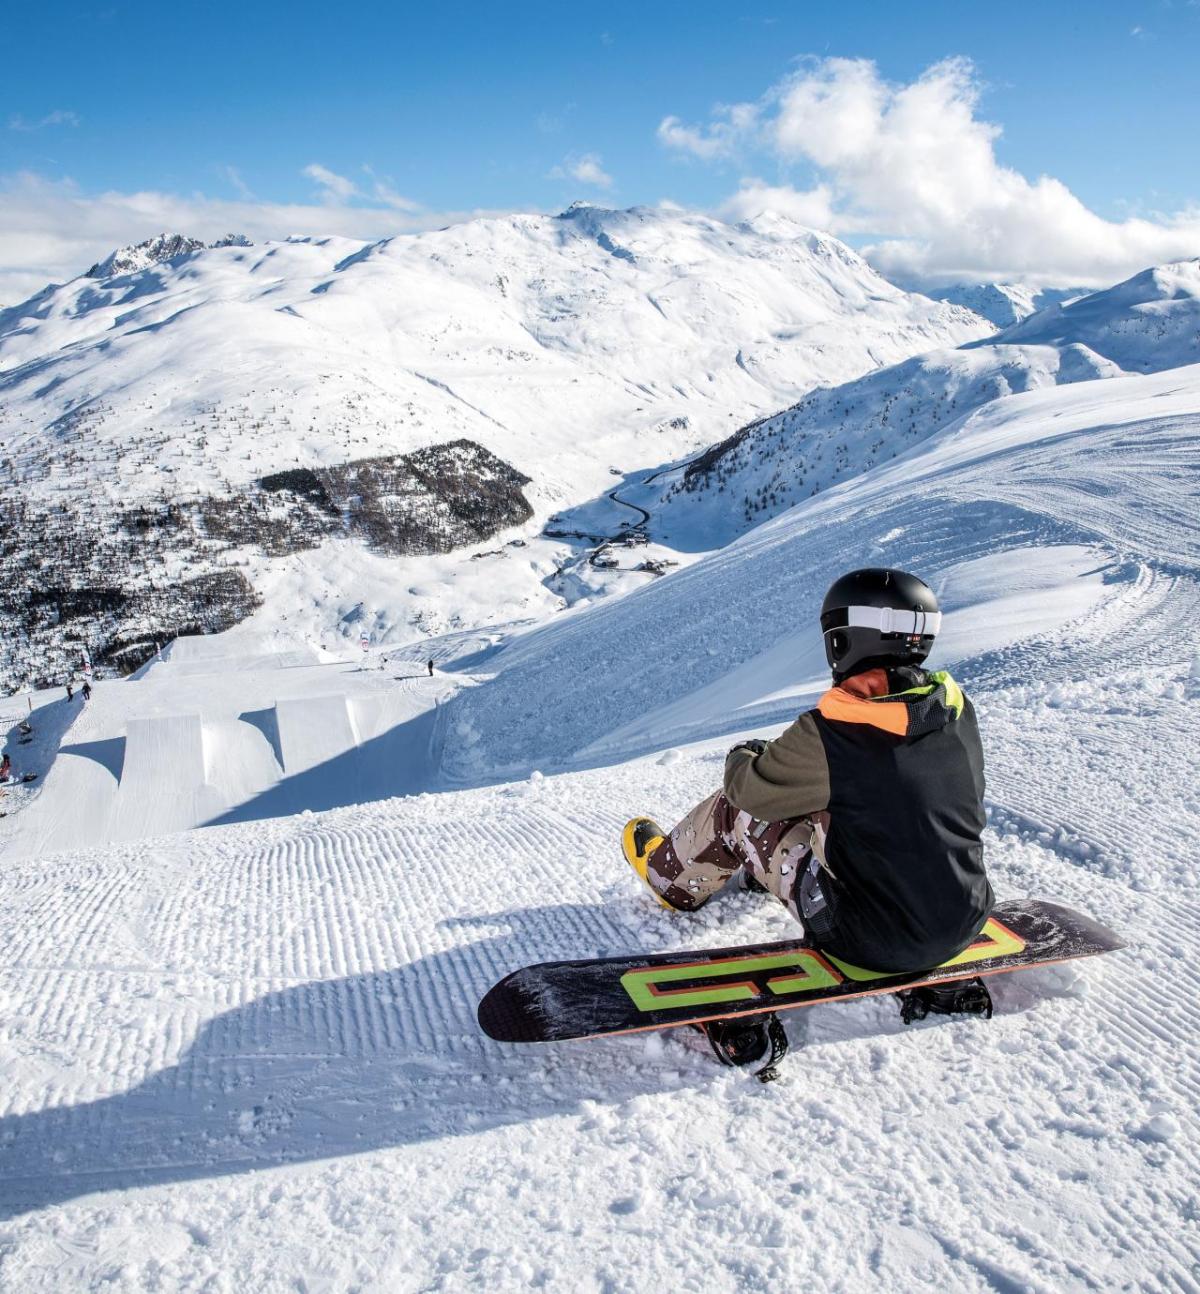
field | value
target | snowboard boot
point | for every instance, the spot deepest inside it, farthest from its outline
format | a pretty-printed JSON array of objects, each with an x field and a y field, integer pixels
[
  {"x": 746, "y": 1040},
  {"x": 962, "y": 997},
  {"x": 641, "y": 837}
]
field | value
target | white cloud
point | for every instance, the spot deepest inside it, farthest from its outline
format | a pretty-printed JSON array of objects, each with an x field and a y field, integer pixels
[
  {"x": 913, "y": 165},
  {"x": 234, "y": 177},
  {"x": 334, "y": 187},
  {"x": 812, "y": 207},
  {"x": 51, "y": 231},
  {"x": 587, "y": 169},
  {"x": 382, "y": 191},
  {"x": 59, "y": 117},
  {"x": 723, "y": 137}
]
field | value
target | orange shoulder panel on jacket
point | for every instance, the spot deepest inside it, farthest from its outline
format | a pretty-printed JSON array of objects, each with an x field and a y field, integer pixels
[{"x": 850, "y": 703}]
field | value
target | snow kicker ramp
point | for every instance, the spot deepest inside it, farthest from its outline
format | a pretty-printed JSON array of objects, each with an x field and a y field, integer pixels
[
  {"x": 314, "y": 731},
  {"x": 339, "y": 750},
  {"x": 335, "y": 750},
  {"x": 163, "y": 787}
]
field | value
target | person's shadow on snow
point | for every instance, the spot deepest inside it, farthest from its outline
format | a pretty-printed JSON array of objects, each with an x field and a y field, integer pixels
[
  {"x": 332, "y": 1067},
  {"x": 390, "y": 1058}
]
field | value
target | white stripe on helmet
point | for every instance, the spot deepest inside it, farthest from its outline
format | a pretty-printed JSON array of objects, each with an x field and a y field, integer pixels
[{"x": 890, "y": 620}]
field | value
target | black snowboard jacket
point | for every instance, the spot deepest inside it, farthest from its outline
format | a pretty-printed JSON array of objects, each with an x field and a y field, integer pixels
[{"x": 894, "y": 758}]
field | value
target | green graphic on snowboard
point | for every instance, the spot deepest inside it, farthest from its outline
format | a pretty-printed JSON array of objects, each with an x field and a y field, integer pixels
[
  {"x": 816, "y": 971},
  {"x": 556, "y": 1001}
]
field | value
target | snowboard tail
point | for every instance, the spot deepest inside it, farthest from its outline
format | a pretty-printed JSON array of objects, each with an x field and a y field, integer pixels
[{"x": 559, "y": 1001}]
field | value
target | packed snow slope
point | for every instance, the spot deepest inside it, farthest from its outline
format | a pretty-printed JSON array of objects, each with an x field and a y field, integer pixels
[
  {"x": 562, "y": 344},
  {"x": 246, "y": 1057},
  {"x": 1107, "y": 465},
  {"x": 1147, "y": 324}
]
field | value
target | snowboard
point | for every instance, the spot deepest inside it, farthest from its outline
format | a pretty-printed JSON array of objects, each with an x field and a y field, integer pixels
[{"x": 560, "y": 1001}]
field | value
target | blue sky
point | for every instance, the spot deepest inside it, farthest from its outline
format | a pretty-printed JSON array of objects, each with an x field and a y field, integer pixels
[{"x": 464, "y": 106}]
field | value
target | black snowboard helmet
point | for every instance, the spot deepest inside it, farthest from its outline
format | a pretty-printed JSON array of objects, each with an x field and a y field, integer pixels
[{"x": 877, "y": 617}]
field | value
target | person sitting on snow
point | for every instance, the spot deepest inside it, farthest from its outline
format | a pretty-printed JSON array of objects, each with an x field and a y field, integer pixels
[{"x": 864, "y": 818}]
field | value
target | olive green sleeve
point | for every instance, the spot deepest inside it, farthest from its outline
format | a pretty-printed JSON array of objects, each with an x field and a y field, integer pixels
[{"x": 788, "y": 780}]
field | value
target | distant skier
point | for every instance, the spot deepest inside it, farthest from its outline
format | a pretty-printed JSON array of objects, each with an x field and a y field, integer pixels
[
  {"x": 87, "y": 690},
  {"x": 5, "y": 768},
  {"x": 70, "y": 692},
  {"x": 431, "y": 669},
  {"x": 864, "y": 817}
]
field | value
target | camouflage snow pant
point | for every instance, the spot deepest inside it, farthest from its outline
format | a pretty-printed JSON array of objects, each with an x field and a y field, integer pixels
[{"x": 715, "y": 840}]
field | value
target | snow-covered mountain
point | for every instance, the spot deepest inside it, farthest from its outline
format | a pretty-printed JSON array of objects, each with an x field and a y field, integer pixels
[
  {"x": 1149, "y": 323},
  {"x": 1003, "y": 304},
  {"x": 557, "y": 342},
  {"x": 144, "y": 404}
]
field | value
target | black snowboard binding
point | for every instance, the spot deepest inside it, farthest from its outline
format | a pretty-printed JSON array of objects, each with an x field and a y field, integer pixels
[
  {"x": 746, "y": 1040},
  {"x": 963, "y": 997}
]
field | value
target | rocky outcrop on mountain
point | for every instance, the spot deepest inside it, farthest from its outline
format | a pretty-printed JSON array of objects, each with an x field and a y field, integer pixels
[
  {"x": 153, "y": 251},
  {"x": 116, "y": 583},
  {"x": 138, "y": 256}
]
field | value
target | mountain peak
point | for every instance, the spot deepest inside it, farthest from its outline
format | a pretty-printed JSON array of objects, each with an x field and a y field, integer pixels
[
  {"x": 137, "y": 256},
  {"x": 1003, "y": 304},
  {"x": 152, "y": 251}
]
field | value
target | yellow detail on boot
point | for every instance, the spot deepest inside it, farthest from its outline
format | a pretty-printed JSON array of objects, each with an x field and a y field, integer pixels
[{"x": 640, "y": 861}]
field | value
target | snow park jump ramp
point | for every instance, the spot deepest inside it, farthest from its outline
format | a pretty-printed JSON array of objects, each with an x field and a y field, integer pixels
[
  {"x": 337, "y": 750},
  {"x": 163, "y": 787},
  {"x": 150, "y": 782},
  {"x": 313, "y": 731},
  {"x": 234, "y": 751}
]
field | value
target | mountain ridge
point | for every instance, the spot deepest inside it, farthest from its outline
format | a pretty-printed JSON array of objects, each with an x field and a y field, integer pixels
[{"x": 1148, "y": 323}]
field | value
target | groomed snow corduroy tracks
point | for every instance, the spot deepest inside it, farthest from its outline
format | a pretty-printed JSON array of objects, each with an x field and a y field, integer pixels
[{"x": 319, "y": 1002}]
